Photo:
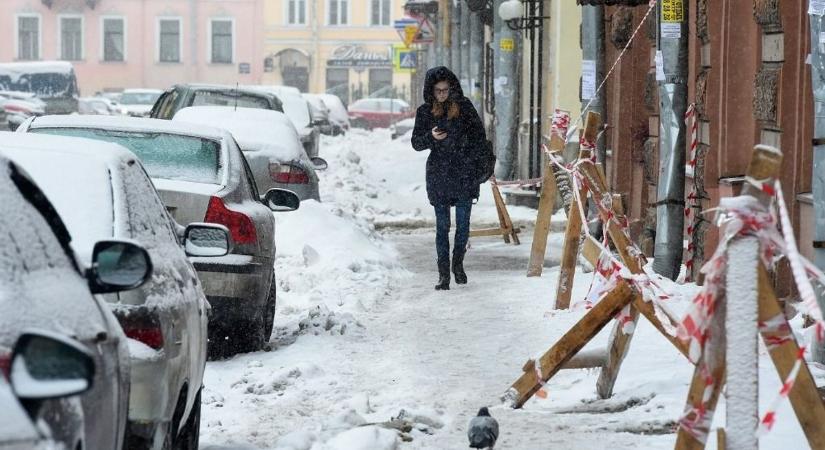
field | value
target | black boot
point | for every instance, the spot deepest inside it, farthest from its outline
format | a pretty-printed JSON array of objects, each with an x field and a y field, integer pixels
[
  {"x": 458, "y": 268},
  {"x": 443, "y": 276}
]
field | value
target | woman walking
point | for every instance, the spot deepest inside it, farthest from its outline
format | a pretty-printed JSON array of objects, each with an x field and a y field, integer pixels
[{"x": 448, "y": 125}]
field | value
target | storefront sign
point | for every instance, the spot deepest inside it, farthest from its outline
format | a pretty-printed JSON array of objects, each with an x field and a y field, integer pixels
[{"x": 357, "y": 56}]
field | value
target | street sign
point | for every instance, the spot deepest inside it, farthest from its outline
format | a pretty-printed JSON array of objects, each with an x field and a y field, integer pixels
[
  {"x": 244, "y": 68},
  {"x": 404, "y": 60},
  {"x": 426, "y": 33},
  {"x": 410, "y": 31}
]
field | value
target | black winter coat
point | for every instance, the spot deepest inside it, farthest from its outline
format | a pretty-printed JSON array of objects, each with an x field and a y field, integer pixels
[{"x": 452, "y": 167}]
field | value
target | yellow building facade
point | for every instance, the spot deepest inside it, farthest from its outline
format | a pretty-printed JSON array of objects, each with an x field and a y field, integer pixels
[{"x": 344, "y": 47}]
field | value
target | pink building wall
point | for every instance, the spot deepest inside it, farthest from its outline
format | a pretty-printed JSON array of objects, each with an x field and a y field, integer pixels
[{"x": 141, "y": 67}]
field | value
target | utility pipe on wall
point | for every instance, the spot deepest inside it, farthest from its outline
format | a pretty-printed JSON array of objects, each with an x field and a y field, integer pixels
[{"x": 673, "y": 43}]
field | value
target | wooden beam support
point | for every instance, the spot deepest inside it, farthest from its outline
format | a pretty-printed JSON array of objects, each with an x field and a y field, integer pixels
[
  {"x": 493, "y": 232},
  {"x": 568, "y": 345},
  {"x": 572, "y": 235},
  {"x": 545, "y": 211},
  {"x": 804, "y": 397}
]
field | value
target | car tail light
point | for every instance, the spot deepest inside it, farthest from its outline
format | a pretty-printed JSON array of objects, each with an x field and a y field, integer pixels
[
  {"x": 5, "y": 364},
  {"x": 240, "y": 225},
  {"x": 287, "y": 174},
  {"x": 151, "y": 336}
]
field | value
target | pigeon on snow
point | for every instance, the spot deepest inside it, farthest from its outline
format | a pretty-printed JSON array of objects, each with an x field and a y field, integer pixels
[{"x": 483, "y": 430}]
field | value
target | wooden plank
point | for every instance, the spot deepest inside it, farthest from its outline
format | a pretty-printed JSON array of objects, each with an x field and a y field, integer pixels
[
  {"x": 591, "y": 250},
  {"x": 804, "y": 397},
  {"x": 499, "y": 202},
  {"x": 569, "y": 254},
  {"x": 492, "y": 232},
  {"x": 505, "y": 216},
  {"x": 568, "y": 345},
  {"x": 716, "y": 359},
  {"x": 617, "y": 347},
  {"x": 587, "y": 359},
  {"x": 570, "y": 249},
  {"x": 545, "y": 211}
]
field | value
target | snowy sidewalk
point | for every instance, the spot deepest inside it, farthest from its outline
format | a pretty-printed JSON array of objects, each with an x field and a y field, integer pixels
[{"x": 362, "y": 335}]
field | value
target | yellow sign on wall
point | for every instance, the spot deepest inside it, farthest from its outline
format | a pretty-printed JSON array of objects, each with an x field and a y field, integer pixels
[
  {"x": 410, "y": 31},
  {"x": 507, "y": 45},
  {"x": 673, "y": 11}
]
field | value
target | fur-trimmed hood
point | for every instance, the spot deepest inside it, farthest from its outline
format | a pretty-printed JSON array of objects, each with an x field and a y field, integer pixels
[{"x": 437, "y": 74}]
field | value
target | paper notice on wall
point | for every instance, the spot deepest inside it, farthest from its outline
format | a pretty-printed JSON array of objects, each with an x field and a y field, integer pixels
[
  {"x": 816, "y": 7},
  {"x": 499, "y": 83},
  {"x": 671, "y": 30},
  {"x": 588, "y": 79},
  {"x": 660, "y": 66}
]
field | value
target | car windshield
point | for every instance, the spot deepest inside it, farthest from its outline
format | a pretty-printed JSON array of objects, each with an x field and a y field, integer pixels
[
  {"x": 139, "y": 98},
  {"x": 167, "y": 156},
  {"x": 46, "y": 85},
  {"x": 229, "y": 98}
]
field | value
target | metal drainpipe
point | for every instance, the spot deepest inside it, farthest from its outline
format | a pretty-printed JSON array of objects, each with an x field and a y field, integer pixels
[
  {"x": 671, "y": 186},
  {"x": 506, "y": 85},
  {"x": 818, "y": 176},
  {"x": 531, "y": 109},
  {"x": 455, "y": 37},
  {"x": 466, "y": 35},
  {"x": 593, "y": 50},
  {"x": 539, "y": 93},
  {"x": 476, "y": 59}
]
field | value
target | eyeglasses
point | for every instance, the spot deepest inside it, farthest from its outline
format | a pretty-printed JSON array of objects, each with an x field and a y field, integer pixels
[{"x": 442, "y": 91}]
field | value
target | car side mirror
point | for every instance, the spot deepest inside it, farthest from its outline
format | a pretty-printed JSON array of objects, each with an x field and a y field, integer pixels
[
  {"x": 47, "y": 365},
  {"x": 319, "y": 163},
  {"x": 206, "y": 239},
  {"x": 118, "y": 265},
  {"x": 281, "y": 200}
]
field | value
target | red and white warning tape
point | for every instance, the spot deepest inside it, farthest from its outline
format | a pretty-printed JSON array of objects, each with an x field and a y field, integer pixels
[
  {"x": 560, "y": 124},
  {"x": 746, "y": 216},
  {"x": 520, "y": 183},
  {"x": 690, "y": 213}
]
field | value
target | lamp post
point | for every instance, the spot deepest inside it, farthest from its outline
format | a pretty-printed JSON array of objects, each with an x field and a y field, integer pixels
[{"x": 528, "y": 15}]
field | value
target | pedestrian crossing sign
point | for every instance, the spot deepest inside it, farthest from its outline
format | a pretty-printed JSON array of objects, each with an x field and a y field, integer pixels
[{"x": 404, "y": 60}]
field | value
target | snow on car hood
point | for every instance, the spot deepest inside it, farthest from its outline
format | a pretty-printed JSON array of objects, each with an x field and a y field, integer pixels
[{"x": 256, "y": 130}]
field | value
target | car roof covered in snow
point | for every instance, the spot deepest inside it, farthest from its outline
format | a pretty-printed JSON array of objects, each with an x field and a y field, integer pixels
[
  {"x": 254, "y": 129},
  {"x": 142, "y": 91},
  {"x": 16, "y": 69},
  {"x": 57, "y": 162},
  {"x": 296, "y": 107},
  {"x": 128, "y": 124}
]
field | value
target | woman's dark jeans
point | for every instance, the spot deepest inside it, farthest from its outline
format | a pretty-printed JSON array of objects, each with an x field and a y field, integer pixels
[{"x": 442, "y": 230}]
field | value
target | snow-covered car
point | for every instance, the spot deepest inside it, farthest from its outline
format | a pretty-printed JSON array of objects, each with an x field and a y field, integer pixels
[
  {"x": 43, "y": 285},
  {"x": 202, "y": 176},
  {"x": 270, "y": 144},
  {"x": 181, "y": 96},
  {"x": 54, "y": 82},
  {"x": 297, "y": 109},
  {"x": 401, "y": 128},
  {"x": 319, "y": 112},
  {"x": 338, "y": 115},
  {"x": 165, "y": 320},
  {"x": 378, "y": 112},
  {"x": 35, "y": 378},
  {"x": 19, "y": 106},
  {"x": 138, "y": 102},
  {"x": 95, "y": 105}
]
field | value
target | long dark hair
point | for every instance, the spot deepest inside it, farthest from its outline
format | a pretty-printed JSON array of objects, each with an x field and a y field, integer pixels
[{"x": 452, "y": 109}]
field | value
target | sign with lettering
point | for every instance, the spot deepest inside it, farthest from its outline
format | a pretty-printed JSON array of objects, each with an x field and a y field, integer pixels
[{"x": 354, "y": 55}]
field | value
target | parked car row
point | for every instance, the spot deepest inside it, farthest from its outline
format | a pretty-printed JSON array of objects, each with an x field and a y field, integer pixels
[{"x": 168, "y": 256}]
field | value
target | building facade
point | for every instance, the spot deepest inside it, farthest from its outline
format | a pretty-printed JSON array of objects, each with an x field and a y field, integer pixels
[
  {"x": 117, "y": 44},
  {"x": 343, "y": 47}
]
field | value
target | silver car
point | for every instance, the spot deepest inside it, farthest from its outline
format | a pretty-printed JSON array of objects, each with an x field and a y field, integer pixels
[
  {"x": 37, "y": 374},
  {"x": 202, "y": 176},
  {"x": 43, "y": 285},
  {"x": 297, "y": 109},
  {"x": 270, "y": 143},
  {"x": 165, "y": 320}
]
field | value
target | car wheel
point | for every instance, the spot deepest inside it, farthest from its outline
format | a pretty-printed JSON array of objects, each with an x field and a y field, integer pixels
[
  {"x": 190, "y": 433},
  {"x": 269, "y": 311}
]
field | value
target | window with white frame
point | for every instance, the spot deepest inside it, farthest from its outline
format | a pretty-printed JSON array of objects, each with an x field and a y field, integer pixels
[
  {"x": 114, "y": 33},
  {"x": 380, "y": 12},
  {"x": 338, "y": 12},
  {"x": 221, "y": 41},
  {"x": 28, "y": 37},
  {"x": 169, "y": 40},
  {"x": 296, "y": 13},
  {"x": 71, "y": 38}
]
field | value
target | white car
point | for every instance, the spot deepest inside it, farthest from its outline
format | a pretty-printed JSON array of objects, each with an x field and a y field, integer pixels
[
  {"x": 338, "y": 115},
  {"x": 165, "y": 320},
  {"x": 270, "y": 143},
  {"x": 138, "y": 102},
  {"x": 297, "y": 109}
]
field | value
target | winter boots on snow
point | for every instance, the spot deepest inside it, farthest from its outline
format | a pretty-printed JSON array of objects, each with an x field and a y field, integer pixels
[
  {"x": 443, "y": 276},
  {"x": 458, "y": 268}
]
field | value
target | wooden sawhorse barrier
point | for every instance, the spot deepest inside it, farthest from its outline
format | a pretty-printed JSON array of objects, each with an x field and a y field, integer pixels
[
  {"x": 536, "y": 373},
  {"x": 506, "y": 229},
  {"x": 751, "y": 314}
]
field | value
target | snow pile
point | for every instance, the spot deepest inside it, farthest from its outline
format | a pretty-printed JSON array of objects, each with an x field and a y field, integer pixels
[{"x": 382, "y": 180}]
